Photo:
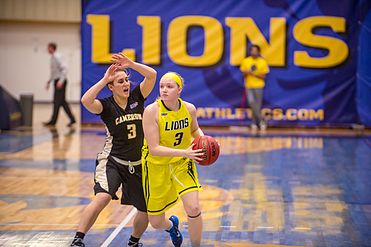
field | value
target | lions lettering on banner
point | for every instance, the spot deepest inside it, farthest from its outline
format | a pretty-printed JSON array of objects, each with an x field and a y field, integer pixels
[{"x": 242, "y": 29}]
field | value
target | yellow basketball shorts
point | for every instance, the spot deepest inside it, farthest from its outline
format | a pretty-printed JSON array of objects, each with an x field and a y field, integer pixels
[{"x": 163, "y": 184}]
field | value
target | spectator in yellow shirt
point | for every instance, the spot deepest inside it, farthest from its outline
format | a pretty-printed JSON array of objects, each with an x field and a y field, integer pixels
[{"x": 255, "y": 69}]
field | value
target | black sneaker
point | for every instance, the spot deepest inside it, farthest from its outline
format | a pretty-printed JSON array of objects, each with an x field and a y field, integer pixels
[
  {"x": 133, "y": 244},
  {"x": 49, "y": 124},
  {"x": 71, "y": 123},
  {"x": 175, "y": 234},
  {"x": 77, "y": 242}
]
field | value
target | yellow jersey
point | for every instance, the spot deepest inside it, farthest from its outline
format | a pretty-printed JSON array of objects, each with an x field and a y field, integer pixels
[
  {"x": 258, "y": 66},
  {"x": 174, "y": 130}
]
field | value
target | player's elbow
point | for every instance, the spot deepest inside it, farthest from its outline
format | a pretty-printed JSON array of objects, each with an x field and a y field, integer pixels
[
  {"x": 152, "y": 76},
  {"x": 153, "y": 150},
  {"x": 84, "y": 100}
]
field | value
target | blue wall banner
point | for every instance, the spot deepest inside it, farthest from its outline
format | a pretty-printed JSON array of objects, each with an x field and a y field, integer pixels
[{"x": 318, "y": 74}]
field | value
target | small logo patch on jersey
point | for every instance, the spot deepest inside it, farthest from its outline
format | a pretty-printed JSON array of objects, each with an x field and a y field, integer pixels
[
  {"x": 164, "y": 114},
  {"x": 135, "y": 104}
]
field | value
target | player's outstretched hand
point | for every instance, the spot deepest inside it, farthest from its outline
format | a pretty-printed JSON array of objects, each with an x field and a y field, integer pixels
[
  {"x": 194, "y": 154},
  {"x": 122, "y": 60},
  {"x": 110, "y": 73}
]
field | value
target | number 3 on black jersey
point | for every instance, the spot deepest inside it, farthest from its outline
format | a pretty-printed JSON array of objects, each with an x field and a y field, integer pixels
[
  {"x": 178, "y": 138},
  {"x": 132, "y": 131}
]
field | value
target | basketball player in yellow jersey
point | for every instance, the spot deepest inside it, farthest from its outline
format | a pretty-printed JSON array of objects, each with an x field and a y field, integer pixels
[{"x": 169, "y": 171}]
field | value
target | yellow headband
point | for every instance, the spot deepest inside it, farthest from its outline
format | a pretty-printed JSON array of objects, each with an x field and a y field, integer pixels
[{"x": 175, "y": 77}]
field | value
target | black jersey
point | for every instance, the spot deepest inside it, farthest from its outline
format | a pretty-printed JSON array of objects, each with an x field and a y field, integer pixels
[{"x": 124, "y": 138}]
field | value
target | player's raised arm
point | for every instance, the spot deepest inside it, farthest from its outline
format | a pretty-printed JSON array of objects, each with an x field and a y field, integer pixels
[
  {"x": 89, "y": 99},
  {"x": 149, "y": 73}
]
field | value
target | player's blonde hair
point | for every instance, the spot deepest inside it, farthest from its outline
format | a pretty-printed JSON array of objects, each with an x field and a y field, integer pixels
[{"x": 175, "y": 77}]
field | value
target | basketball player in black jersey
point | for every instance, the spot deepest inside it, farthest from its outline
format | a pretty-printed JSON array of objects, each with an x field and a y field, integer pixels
[{"x": 120, "y": 161}]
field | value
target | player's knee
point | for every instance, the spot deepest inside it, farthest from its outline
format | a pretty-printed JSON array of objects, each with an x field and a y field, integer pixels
[
  {"x": 102, "y": 199},
  {"x": 142, "y": 217},
  {"x": 193, "y": 210},
  {"x": 156, "y": 223}
]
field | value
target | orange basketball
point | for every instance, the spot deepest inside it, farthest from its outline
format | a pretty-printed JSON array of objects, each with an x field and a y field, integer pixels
[{"x": 211, "y": 147}]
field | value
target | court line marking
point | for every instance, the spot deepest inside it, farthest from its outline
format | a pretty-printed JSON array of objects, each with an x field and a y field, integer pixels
[
  {"x": 119, "y": 228},
  {"x": 264, "y": 227},
  {"x": 74, "y": 225},
  {"x": 302, "y": 228}
]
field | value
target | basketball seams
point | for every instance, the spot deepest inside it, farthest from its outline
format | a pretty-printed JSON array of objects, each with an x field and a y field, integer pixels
[{"x": 208, "y": 150}]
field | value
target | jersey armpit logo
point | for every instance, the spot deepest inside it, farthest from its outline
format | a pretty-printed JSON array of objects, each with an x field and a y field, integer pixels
[{"x": 135, "y": 104}]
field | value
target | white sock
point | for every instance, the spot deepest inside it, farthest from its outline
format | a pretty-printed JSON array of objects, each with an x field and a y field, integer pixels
[{"x": 171, "y": 225}]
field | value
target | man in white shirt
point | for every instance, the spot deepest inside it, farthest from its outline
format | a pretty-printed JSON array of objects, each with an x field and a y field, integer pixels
[{"x": 58, "y": 75}]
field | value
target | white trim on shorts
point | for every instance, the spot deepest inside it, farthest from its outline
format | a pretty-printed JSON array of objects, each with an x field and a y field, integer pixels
[{"x": 100, "y": 171}]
